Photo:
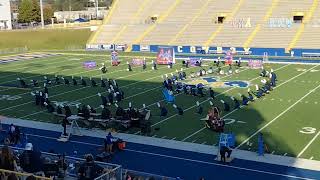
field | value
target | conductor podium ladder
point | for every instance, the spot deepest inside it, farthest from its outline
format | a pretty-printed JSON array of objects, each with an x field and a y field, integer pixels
[
  {"x": 227, "y": 140},
  {"x": 73, "y": 128}
]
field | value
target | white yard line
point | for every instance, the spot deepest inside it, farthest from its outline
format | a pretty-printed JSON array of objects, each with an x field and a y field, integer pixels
[
  {"x": 242, "y": 106},
  {"x": 48, "y": 73},
  {"x": 81, "y": 72},
  {"x": 181, "y": 93},
  {"x": 309, "y": 144},
  {"x": 31, "y": 61},
  {"x": 77, "y": 90},
  {"x": 209, "y": 99},
  {"x": 18, "y": 63},
  {"x": 103, "y": 92},
  {"x": 282, "y": 113}
]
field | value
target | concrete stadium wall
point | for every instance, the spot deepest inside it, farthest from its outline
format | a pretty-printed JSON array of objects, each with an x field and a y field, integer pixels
[{"x": 220, "y": 50}]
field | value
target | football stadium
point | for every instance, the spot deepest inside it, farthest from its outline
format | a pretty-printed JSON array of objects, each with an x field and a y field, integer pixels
[{"x": 160, "y": 90}]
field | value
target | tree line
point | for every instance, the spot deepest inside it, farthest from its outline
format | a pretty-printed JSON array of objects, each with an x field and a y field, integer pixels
[{"x": 29, "y": 10}]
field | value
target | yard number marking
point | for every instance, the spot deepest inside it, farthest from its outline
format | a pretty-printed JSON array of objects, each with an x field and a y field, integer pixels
[
  {"x": 308, "y": 130},
  {"x": 9, "y": 97},
  {"x": 67, "y": 103}
]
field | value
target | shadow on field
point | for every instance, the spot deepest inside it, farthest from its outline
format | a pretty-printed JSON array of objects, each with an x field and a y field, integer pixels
[{"x": 242, "y": 122}]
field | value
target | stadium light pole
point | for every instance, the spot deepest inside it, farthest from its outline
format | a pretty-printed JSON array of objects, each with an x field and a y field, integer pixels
[
  {"x": 97, "y": 9},
  {"x": 41, "y": 11}
]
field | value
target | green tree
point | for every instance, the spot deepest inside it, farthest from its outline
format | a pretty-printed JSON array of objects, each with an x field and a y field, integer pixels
[
  {"x": 25, "y": 12},
  {"x": 47, "y": 13},
  {"x": 36, "y": 15}
]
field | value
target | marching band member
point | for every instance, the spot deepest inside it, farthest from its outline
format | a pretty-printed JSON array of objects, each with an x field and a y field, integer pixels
[
  {"x": 83, "y": 82},
  {"x": 93, "y": 82},
  {"x": 103, "y": 68},
  {"x": 66, "y": 81},
  {"x": 129, "y": 66},
  {"x": 74, "y": 81}
]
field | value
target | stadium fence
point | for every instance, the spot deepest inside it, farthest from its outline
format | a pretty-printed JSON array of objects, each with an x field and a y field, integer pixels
[
  {"x": 145, "y": 176},
  {"x": 20, "y": 175},
  {"x": 73, "y": 165}
]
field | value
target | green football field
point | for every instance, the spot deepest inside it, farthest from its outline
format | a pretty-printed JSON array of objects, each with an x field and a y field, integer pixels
[{"x": 288, "y": 117}]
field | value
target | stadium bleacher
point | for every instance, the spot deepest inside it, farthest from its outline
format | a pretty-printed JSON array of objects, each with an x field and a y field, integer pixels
[{"x": 246, "y": 23}]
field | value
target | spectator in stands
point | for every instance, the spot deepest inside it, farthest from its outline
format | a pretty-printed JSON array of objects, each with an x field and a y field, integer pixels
[
  {"x": 108, "y": 143},
  {"x": 7, "y": 159},
  {"x": 89, "y": 169},
  {"x": 30, "y": 159},
  {"x": 12, "y": 133}
]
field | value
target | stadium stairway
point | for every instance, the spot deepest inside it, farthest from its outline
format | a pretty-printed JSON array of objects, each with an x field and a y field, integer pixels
[
  {"x": 93, "y": 37},
  {"x": 310, "y": 37},
  {"x": 228, "y": 18},
  {"x": 188, "y": 22},
  {"x": 281, "y": 37},
  {"x": 257, "y": 28},
  {"x": 301, "y": 29}
]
